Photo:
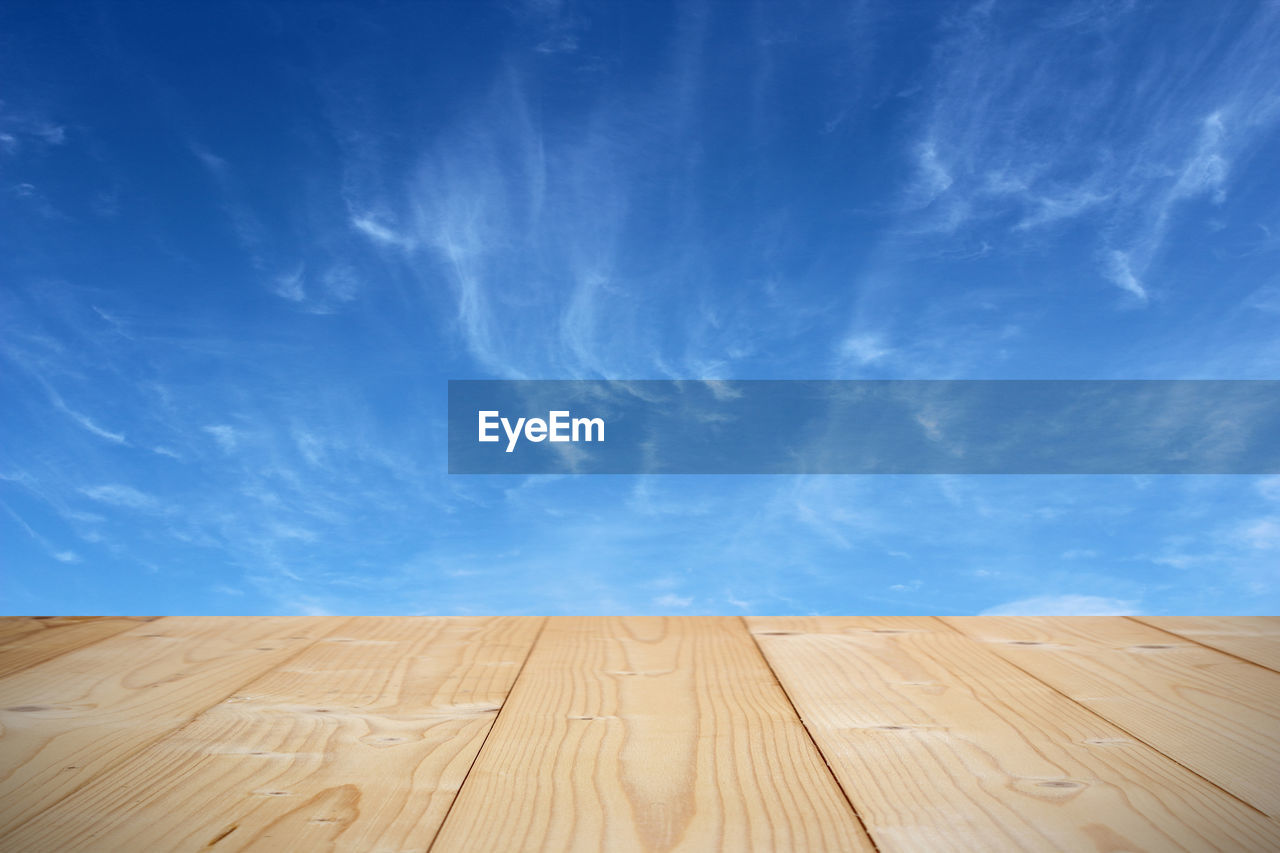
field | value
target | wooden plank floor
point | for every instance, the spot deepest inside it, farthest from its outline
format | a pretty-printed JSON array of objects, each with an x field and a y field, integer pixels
[{"x": 640, "y": 733}]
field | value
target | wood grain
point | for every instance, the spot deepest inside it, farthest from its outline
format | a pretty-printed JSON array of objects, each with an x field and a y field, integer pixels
[
  {"x": 1213, "y": 713},
  {"x": 941, "y": 745},
  {"x": 26, "y": 641},
  {"x": 1254, "y": 638},
  {"x": 16, "y": 626},
  {"x": 326, "y": 733},
  {"x": 71, "y": 718},
  {"x": 648, "y": 733},
  {"x": 358, "y": 743}
]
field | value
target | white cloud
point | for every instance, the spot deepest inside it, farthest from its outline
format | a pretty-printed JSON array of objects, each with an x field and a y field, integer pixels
[
  {"x": 309, "y": 606},
  {"x": 1048, "y": 209},
  {"x": 1261, "y": 533},
  {"x": 1119, "y": 270},
  {"x": 216, "y": 165},
  {"x": 290, "y": 531},
  {"x": 1206, "y": 170},
  {"x": 119, "y": 495},
  {"x": 1064, "y": 605},
  {"x": 28, "y": 127},
  {"x": 341, "y": 282},
  {"x": 83, "y": 420},
  {"x": 864, "y": 349},
  {"x": 1265, "y": 298},
  {"x": 1123, "y": 160},
  {"x": 310, "y": 446},
  {"x": 290, "y": 286},
  {"x": 933, "y": 177},
  {"x": 227, "y": 437},
  {"x": 673, "y": 600},
  {"x": 1269, "y": 488},
  {"x": 380, "y": 233}
]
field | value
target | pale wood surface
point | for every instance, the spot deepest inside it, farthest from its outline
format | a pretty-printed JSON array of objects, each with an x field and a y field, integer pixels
[
  {"x": 25, "y": 641},
  {"x": 401, "y": 705},
  {"x": 648, "y": 733},
  {"x": 1254, "y": 638},
  {"x": 644, "y": 733},
  {"x": 70, "y": 718},
  {"x": 1214, "y": 713},
  {"x": 942, "y": 745}
]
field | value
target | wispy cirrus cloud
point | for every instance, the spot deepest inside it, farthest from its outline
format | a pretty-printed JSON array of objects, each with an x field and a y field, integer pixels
[
  {"x": 226, "y": 436},
  {"x": 83, "y": 420},
  {"x": 21, "y": 129},
  {"x": 1136, "y": 136},
  {"x": 123, "y": 496},
  {"x": 379, "y": 233},
  {"x": 255, "y": 343},
  {"x": 528, "y": 216}
]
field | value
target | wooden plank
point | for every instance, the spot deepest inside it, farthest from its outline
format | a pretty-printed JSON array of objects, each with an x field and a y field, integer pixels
[
  {"x": 28, "y": 641},
  {"x": 648, "y": 733},
  {"x": 1254, "y": 638},
  {"x": 941, "y": 745},
  {"x": 358, "y": 743},
  {"x": 1218, "y": 715},
  {"x": 69, "y": 719},
  {"x": 16, "y": 626}
]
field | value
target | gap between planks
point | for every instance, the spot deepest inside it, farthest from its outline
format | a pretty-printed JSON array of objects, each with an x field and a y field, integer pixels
[
  {"x": 358, "y": 742},
  {"x": 1050, "y": 685},
  {"x": 1233, "y": 828},
  {"x": 542, "y": 624},
  {"x": 1214, "y": 713},
  {"x": 942, "y": 745},
  {"x": 1260, "y": 644},
  {"x": 816, "y": 746},
  {"x": 649, "y": 733}
]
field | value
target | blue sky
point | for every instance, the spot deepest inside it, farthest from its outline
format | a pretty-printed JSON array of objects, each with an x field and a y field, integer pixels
[{"x": 243, "y": 247}]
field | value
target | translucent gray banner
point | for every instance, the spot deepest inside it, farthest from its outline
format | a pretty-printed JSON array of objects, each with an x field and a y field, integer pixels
[{"x": 864, "y": 427}]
